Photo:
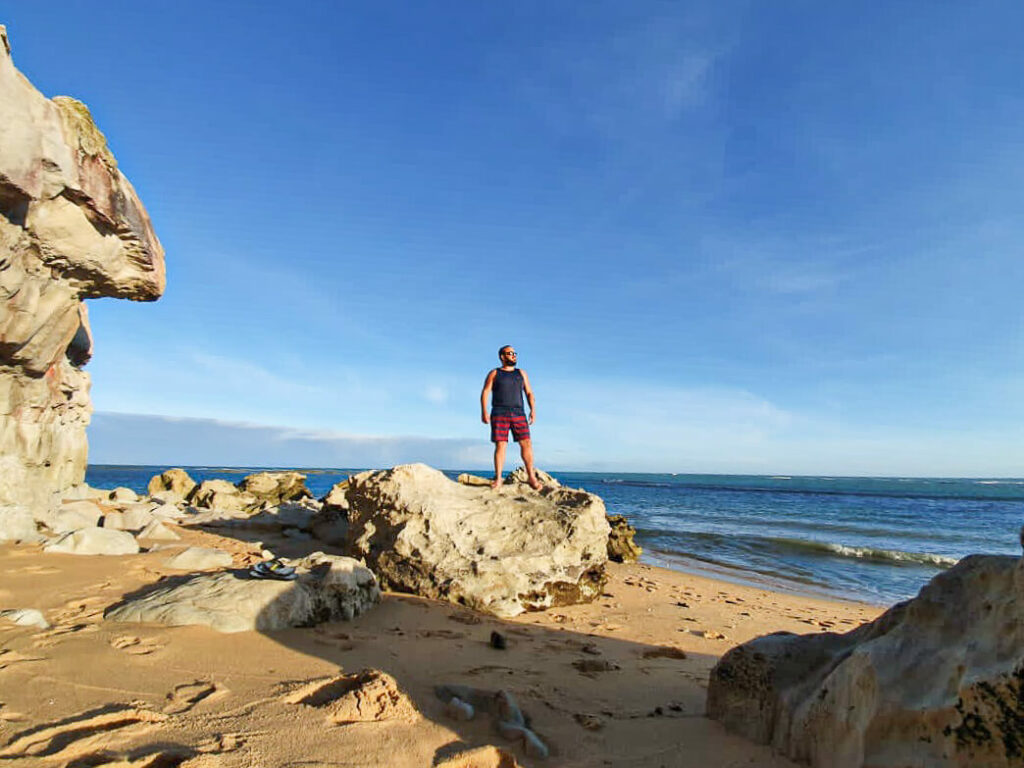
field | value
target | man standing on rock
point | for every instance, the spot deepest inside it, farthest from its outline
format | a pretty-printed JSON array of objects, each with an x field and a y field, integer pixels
[{"x": 508, "y": 384}]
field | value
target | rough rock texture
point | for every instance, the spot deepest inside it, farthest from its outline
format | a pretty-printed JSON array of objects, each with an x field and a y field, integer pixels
[
  {"x": 935, "y": 681},
  {"x": 518, "y": 476},
  {"x": 327, "y": 589},
  {"x": 502, "y": 552},
  {"x": 621, "y": 547},
  {"x": 220, "y": 494},
  {"x": 276, "y": 487},
  {"x": 95, "y": 541},
  {"x": 176, "y": 481},
  {"x": 71, "y": 228}
]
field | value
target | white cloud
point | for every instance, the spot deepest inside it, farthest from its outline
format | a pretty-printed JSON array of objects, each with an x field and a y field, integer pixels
[
  {"x": 128, "y": 438},
  {"x": 436, "y": 394}
]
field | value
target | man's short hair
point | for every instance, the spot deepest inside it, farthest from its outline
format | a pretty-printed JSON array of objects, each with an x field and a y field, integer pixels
[{"x": 502, "y": 349}]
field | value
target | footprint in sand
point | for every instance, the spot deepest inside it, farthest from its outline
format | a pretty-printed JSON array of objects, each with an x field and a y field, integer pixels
[
  {"x": 52, "y": 637},
  {"x": 185, "y": 696},
  {"x": 482, "y": 757},
  {"x": 9, "y": 658},
  {"x": 221, "y": 743},
  {"x": 81, "y": 609},
  {"x": 136, "y": 646},
  {"x": 37, "y": 570},
  {"x": 448, "y": 634},
  {"x": 78, "y": 736},
  {"x": 7, "y": 716}
]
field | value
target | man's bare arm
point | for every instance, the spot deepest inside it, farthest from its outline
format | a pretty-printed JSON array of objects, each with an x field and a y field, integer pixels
[
  {"x": 529, "y": 395},
  {"x": 488, "y": 383}
]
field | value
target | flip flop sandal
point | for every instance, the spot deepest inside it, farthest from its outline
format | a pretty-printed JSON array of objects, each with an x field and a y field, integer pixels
[
  {"x": 274, "y": 566},
  {"x": 256, "y": 573}
]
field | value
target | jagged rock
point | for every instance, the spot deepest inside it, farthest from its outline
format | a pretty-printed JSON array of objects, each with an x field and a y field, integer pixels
[
  {"x": 157, "y": 531},
  {"x": 95, "y": 541},
  {"x": 621, "y": 547},
  {"x": 175, "y": 481},
  {"x": 123, "y": 495},
  {"x": 276, "y": 487},
  {"x": 335, "y": 497},
  {"x": 327, "y": 589},
  {"x": 936, "y": 681},
  {"x": 467, "y": 479},
  {"x": 502, "y": 552},
  {"x": 288, "y": 516},
  {"x": 71, "y": 228},
  {"x": 167, "y": 498},
  {"x": 220, "y": 494},
  {"x": 199, "y": 559},
  {"x": 518, "y": 477}
]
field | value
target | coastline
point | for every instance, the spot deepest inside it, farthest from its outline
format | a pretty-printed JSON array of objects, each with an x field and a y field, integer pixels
[
  {"x": 748, "y": 578},
  {"x": 620, "y": 681}
]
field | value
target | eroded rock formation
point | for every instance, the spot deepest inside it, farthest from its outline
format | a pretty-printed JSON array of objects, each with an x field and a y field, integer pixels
[
  {"x": 936, "y": 681},
  {"x": 501, "y": 552},
  {"x": 71, "y": 228}
]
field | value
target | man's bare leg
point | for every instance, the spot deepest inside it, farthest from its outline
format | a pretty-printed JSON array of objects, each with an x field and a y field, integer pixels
[
  {"x": 526, "y": 449},
  {"x": 499, "y": 462}
]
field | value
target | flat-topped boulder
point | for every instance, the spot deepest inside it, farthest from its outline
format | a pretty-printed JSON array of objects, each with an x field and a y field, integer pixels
[
  {"x": 328, "y": 588},
  {"x": 501, "y": 551},
  {"x": 936, "y": 681}
]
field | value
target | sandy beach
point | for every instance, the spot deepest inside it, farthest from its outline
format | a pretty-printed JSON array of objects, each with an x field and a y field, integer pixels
[{"x": 618, "y": 682}]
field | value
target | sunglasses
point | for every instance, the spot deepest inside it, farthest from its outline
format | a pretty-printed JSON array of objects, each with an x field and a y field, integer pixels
[{"x": 509, "y": 354}]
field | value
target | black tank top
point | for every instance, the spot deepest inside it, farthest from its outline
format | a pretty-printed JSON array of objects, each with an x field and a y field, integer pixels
[{"x": 507, "y": 390}]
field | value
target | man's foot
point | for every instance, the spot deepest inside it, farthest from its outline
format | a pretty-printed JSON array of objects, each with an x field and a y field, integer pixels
[
  {"x": 495, "y": 483},
  {"x": 535, "y": 483}
]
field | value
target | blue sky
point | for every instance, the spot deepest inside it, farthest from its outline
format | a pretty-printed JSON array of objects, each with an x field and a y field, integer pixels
[{"x": 724, "y": 237}]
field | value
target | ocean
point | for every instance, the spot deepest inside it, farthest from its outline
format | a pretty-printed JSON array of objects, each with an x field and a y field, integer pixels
[{"x": 873, "y": 539}]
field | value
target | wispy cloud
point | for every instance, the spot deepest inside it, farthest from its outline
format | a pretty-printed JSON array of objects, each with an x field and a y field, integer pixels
[{"x": 161, "y": 440}]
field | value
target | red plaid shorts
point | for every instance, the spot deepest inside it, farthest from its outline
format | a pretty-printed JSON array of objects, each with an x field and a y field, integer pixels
[{"x": 514, "y": 420}]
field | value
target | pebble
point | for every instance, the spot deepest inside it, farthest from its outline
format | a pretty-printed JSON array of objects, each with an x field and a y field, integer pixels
[
  {"x": 499, "y": 641},
  {"x": 457, "y": 709}
]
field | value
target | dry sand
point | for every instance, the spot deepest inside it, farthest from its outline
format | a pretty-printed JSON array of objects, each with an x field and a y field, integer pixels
[{"x": 620, "y": 682}]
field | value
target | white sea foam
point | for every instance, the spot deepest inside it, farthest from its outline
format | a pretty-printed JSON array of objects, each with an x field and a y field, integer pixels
[{"x": 870, "y": 553}]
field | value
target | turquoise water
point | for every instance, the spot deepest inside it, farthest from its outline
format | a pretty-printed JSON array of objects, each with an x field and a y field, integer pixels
[{"x": 877, "y": 539}]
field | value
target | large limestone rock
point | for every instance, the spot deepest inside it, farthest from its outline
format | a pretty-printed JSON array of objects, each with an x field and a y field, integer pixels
[
  {"x": 222, "y": 495},
  {"x": 95, "y": 541},
  {"x": 621, "y": 547},
  {"x": 936, "y": 681},
  {"x": 276, "y": 487},
  {"x": 327, "y": 589},
  {"x": 175, "y": 481},
  {"x": 71, "y": 228},
  {"x": 502, "y": 552}
]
